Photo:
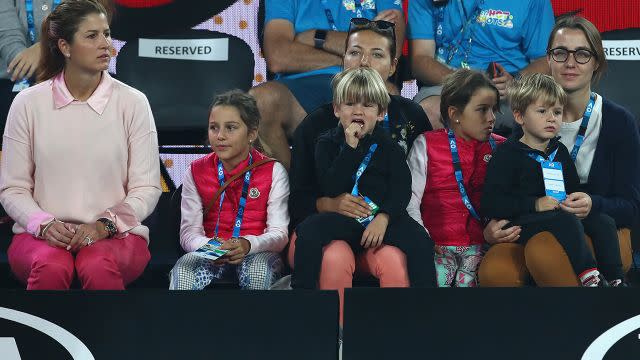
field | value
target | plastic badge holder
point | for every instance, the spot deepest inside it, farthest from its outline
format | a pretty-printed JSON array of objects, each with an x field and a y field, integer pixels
[
  {"x": 211, "y": 250},
  {"x": 374, "y": 210}
]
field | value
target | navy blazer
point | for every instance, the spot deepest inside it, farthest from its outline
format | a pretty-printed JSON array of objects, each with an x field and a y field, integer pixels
[{"x": 614, "y": 178}]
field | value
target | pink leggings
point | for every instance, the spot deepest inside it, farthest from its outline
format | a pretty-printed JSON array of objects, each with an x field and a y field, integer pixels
[
  {"x": 108, "y": 264},
  {"x": 387, "y": 263}
]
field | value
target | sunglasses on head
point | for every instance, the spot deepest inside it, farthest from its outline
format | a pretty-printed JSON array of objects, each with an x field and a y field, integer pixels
[
  {"x": 364, "y": 22},
  {"x": 380, "y": 25}
]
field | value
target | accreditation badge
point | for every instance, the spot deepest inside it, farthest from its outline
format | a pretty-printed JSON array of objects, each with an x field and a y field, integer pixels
[
  {"x": 374, "y": 210},
  {"x": 553, "y": 180}
]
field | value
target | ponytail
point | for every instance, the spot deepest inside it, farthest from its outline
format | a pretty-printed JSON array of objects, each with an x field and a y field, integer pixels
[{"x": 62, "y": 23}]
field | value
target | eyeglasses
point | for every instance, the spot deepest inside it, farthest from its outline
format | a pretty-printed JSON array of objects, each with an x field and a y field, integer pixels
[
  {"x": 582, "y": 56},
  {"x": 381, "y": 25}
]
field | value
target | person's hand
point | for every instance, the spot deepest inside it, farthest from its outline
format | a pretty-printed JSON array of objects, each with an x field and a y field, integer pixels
[
  {"x": 374, "y": 233},
  {"x": 501, "y": 82},
  {"x": 352, "y": 134},
  {"x": 438, "y": 249},
  {"x": 577, "y": 203},
  {"x": 494, "y": 234},
  {"x": 25, "y": 63},
  {"x": 238, "y": 249},
  {"x": 389, "y": 15},
  {"x": 349, "y": 205},
  {"x": 58, "y": 234},
  {"x": 546, "y": 203},
  {"x": 86, "y": 235}
]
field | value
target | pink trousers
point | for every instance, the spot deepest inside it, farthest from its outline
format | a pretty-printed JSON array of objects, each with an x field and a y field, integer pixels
[
  {"x": 108, "y": 264},
  {"x": 386, "y": 263}
]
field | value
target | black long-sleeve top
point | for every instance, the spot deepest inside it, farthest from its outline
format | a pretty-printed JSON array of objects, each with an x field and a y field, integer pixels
[
  {"x": 386, "y": 181},
  {"x": 514, "y": 180},
  {"x": 407, "y": 119}
]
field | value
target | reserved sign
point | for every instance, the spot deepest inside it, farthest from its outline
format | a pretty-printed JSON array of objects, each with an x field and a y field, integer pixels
[
  {"x": 622, "y": 49},
  {"x": 185, "y": 49}
]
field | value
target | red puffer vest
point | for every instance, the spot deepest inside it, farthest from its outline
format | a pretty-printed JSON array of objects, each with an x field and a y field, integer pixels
[
  {"x": 443, "y": 212},
  {"x": 254, "y": 221}
]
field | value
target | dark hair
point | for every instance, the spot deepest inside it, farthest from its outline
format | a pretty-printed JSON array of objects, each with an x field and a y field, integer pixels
[
  {"x": 593, "y": 38},
  {"x": 248, "y": 110},
  {"x": 459, "y": 87},
  {"x": 243, "y": 102},
  {"x": 385, "y": 33},
  {"x": 63, "y": 23}
]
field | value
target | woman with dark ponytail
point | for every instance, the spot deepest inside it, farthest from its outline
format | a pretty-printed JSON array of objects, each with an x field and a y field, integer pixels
[{"x": 80, "y": 164}]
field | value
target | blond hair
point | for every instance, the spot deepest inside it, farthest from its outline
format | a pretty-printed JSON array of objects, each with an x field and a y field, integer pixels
[
  {"x": 363, "y": 85},
  {"x": 533, "y": 87}
]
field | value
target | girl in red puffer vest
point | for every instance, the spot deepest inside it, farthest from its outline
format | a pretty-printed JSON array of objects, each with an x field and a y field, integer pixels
[
  {"x": 250, "y": 217},
  {"x": 447, "y": 170}
]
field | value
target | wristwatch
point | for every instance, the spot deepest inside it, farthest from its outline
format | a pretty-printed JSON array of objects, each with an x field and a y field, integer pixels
[
  {"x": 109, "y": 226},
  {"x": 319, "y": 38}
]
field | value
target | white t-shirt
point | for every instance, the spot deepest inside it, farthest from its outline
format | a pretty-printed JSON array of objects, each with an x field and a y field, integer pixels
[{"x": 569, "y": 131}]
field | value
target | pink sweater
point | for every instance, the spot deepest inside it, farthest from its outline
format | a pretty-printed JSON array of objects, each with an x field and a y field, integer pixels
[{"x": 78, "y": 161}]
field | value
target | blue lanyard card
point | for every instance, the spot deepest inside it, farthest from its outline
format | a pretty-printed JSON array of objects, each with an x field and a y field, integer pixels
[
  {"x": 553, "y": 180},
  {"x": 374, "y": 209},
  {"x": 211, "y": 250},
  {"x": 20, "y": 85}
]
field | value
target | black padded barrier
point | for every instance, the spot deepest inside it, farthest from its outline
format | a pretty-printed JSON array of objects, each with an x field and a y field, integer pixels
[
  {"x": 482, "y": 323},
  {"x": 158, "y": 324}
]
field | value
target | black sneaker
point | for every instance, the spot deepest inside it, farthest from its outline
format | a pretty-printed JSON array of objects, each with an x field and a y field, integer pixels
[{"x": 618, "y": 283}]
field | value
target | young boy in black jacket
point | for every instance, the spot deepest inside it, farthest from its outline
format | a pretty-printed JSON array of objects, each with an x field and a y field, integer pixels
[
  {"x": 530, "y": 175},
  {"x": 359, "y": 157}
]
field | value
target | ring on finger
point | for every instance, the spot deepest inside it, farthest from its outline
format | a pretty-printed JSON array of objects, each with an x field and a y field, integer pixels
[{"x": 89, "y": 240}]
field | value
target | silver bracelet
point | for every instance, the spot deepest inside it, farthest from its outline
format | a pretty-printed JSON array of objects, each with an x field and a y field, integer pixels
[{"x": 46, "y": 228}]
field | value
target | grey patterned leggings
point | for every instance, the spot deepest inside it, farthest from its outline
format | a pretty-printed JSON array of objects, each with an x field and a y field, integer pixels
[{"x": 256, "y": 272}]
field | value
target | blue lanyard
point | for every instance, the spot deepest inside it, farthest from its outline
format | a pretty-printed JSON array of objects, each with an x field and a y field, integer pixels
[
  {"x": 492, "y": 143},
  {"x": 358, "y": 7},
  {"x": 329, "y": 15},
  {"x": 385, "y": 122},
  {"x": 541, "y": 159},
  {"x": 241, "y": 204},
  {"x": 363, "y": 167},
  {"x": 457, "y": 170},
  {"x": 31, "y": 23},
  {"x": 583, "y": 126},
  {"x": 456, "y": 45}
]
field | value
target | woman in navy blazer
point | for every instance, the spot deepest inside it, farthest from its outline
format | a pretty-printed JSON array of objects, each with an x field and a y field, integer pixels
[{"x": 605, "y": 143}]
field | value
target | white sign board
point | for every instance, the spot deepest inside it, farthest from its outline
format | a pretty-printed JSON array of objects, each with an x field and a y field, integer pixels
[
  {"x": 622, "y": 49},
  {"x": 185, "y": 49}
]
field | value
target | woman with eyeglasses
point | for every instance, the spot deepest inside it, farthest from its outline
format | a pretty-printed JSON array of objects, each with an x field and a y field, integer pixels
[
  {"x": 369, "y": 44},
  {"x": 604, "y": 143}
]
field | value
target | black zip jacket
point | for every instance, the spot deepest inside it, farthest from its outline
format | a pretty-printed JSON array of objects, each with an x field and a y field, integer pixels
[
  {"x": 407, "y": 118},
  {"x": 514, "y": 180},
  {"x": 386, "y": 181}
]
